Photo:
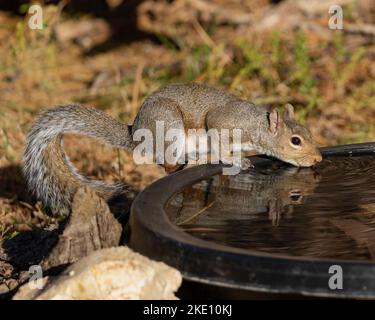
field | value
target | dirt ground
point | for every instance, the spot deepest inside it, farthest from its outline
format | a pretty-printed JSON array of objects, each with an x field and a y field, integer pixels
[{"x": 112, "y": 54}]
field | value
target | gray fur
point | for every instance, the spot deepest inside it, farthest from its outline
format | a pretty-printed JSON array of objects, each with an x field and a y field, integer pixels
[{"x": 45, "y": 182}]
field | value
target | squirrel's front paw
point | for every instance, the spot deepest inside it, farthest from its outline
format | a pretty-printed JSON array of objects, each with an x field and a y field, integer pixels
[
  {"x": 243, "y": 163},
  {"x": 246, "y": 164}
]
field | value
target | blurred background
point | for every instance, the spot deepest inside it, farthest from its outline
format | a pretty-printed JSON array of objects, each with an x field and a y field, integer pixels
[{"x": 111, "y": 54}]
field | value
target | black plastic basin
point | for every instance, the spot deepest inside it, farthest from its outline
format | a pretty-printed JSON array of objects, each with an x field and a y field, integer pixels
[{"x": 153, "y": 234}]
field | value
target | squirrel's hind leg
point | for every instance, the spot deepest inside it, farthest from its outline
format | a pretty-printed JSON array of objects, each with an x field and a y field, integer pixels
[{"x": 164, "y": 118}]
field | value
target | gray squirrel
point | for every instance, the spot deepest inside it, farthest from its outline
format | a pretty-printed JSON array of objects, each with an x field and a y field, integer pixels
[{"x": 53, "y": 179}]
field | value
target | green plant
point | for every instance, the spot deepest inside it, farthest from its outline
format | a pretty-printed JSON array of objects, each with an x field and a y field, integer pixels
[
  {"x": 302, "y": 75},
  {"x": 253, "y": 63}
]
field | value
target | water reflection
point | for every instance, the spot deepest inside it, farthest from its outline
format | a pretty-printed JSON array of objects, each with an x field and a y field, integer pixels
[{"x": 328, "y": 211}]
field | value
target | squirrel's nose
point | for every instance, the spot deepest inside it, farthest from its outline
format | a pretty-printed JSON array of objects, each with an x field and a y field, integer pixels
[{"x": 318, "y": 158}]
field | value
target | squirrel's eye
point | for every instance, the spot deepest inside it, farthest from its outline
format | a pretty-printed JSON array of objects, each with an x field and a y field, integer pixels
[
  {"x": 296, "y": 141},
  {"x": 295, "y": 195},
  {"x": 295, "y": 198}
]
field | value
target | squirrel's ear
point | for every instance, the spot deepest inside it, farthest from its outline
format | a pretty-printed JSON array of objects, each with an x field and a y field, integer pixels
[
  {"x": 274, "y": 121},
  {"x": 289, "y": 112}
]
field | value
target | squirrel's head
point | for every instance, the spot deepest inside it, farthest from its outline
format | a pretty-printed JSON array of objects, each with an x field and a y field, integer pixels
[{"x": 291, "y": 142}]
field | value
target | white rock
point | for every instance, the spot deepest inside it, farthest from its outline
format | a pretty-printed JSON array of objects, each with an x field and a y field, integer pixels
[{"x": 113, "y": 273}]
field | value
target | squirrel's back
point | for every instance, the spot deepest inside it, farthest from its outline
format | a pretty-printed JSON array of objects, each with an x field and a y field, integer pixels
[{"x": 201, "y": 96}]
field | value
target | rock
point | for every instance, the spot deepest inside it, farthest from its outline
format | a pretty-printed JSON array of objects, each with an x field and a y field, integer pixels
[
  {"x": 28, "y": 292},
  {"x": 112, "y": 274},
  {"x": 3, "y": 288},
  {"x": 87, "y": 33},
  {"x": 91, "y": 226},
  {"x": 114, "y": 3}
]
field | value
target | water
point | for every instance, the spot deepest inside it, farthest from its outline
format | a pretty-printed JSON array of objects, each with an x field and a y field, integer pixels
[{"x": 325, "y": 212}]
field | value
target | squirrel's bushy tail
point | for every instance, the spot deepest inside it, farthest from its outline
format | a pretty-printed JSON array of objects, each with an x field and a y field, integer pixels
[{"x": 47, "y": 169}]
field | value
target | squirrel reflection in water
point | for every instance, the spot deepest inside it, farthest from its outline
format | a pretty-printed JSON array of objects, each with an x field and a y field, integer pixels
[{"x": 266, "y": 189}]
